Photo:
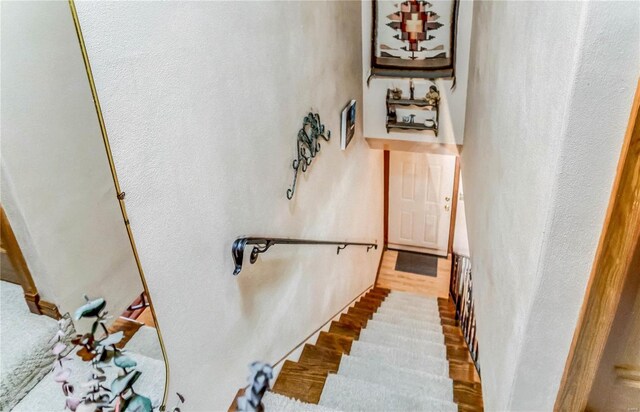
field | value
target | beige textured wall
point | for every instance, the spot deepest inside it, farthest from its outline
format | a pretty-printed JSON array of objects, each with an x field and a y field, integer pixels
[
  {"x": 550, "y": 91},
  {"x": 56, "y": 184},
  {"x": 203, "y": 102}
]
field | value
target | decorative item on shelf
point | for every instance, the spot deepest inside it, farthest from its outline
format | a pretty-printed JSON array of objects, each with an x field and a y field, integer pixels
[
  {"x": 396, "y": 93},
  {"x": 308, "y": 146},
  {"x": 414, "y": 38},
  {"x": 426, "y": 117},
  {"x": 433, "y": 96},
  {"x": 348, "y": 124}
]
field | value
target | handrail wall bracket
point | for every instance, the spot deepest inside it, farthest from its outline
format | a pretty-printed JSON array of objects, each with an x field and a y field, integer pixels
[{"x": 261, "y": 245}]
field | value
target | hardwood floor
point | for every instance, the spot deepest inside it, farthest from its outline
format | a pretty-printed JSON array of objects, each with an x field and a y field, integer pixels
[{"x": 390, "y": 278}]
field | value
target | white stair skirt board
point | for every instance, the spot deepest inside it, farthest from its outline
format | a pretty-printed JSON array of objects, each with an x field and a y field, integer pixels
[
  {"x": 47, "y": 395},
  {"x": 274, "y": 402},
  {"x": 400, "y": 358},
  {"x": 426, "y": 324},
  {"x": 437, "y": 350},
  {"x": 431, "y": 335},
  {"x": 404, "y": 381},
  {"x": 349, "y": 394}
]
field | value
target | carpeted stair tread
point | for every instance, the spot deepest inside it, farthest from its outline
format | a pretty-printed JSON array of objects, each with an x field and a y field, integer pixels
[
  {"x": 414, "y": 299},
  {"x": 406, "y": 381},
  {"x": 410, "y": 306},
  {"x": 427, "y": 324},
  {"x": 424, "y": 316},
  {"x": 425, "y": 348},
  {"x": 431, "y": 334},
  {"x": 280, "y": 403},
  {"x": 400, "y": 358},
  {"x": 409, "y": 295},
  {"x": 349, "y": 394}
]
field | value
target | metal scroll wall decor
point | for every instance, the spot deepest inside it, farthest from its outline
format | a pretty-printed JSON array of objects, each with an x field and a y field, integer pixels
[
  {"x": 414, "y": 38},
  {"x": 308, "y": 146}
]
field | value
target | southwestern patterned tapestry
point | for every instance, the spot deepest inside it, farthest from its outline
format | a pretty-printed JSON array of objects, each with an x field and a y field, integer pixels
[{"x": 414, "y": 38}]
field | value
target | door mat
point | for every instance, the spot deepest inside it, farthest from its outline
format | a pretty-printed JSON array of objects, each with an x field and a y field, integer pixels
[{"x": 417, "y": 263}]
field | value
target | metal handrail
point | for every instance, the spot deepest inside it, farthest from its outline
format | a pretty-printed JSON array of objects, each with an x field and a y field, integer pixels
[{"x": 262, "y": 244}]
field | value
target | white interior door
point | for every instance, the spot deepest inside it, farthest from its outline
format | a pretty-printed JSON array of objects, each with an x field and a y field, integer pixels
[{"x": 420, "y": 195}]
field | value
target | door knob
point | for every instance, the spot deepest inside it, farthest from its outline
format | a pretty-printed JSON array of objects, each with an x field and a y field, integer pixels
[
  {"x": 447, "y": 198},
  {"x": 446, "y": 207}
]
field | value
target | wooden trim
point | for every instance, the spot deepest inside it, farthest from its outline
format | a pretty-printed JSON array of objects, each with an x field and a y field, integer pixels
[
  {"x": 31, "y": 295},
  {"x": 454, "y": 204},
  {"x": 411, "y": 146},
  {"x": 49, "y": 309},
  {"x": 387, "y": 157},
  {"x": 619, "y": 240}
]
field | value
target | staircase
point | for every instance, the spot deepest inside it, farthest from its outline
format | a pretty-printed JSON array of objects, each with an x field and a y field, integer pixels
[{"x": 391, "y": 351}]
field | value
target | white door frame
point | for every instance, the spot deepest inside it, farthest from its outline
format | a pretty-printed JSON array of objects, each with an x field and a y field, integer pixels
[{"x": 420, "y": 196}]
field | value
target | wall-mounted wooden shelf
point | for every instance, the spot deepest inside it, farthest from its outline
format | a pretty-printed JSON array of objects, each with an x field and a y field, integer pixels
[
  {"x": 410, "y": 126},
  {"x": 392, "y": 104}
]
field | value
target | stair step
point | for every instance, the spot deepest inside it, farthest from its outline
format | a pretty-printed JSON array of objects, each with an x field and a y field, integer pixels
[
  {"x": 411, "y": 300},
  {"x": 462, "y": 371},
  {"x": 409, "y": 295},
  {"x": 360, "y": 312},
  {"x": 366, "y": 306},
  {"x": 467, "y": 393},
  {"x": 400, "y": 358},
  {"x": 437, "y": 350},
  {"x": 280, "y": 403},
  {"x": 319, "y": 357},
  {"x": 433, "y": 334},
  {"x": 431, "y": 316},
  {"x": 408, "y": 305},
  {"x": 344, "y": 330},
  {"x": 402, "y": 321},
  {"x": 373, "y": 300},
  {"x": 378, "y": 289},
  {"x": 393, "y": 377},
  {"x": 353, "y": 320},
  {"x": 335, "y": 342},
  {"x": 355, "y": 395},
  {"x": 300, "y": 382}
]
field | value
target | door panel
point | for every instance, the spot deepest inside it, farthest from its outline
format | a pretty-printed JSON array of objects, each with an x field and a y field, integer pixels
[{"x": 420, "y": 192}]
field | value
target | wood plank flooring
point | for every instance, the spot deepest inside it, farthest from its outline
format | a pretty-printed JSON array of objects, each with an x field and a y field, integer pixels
[{"x": 390, "y": 278}]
